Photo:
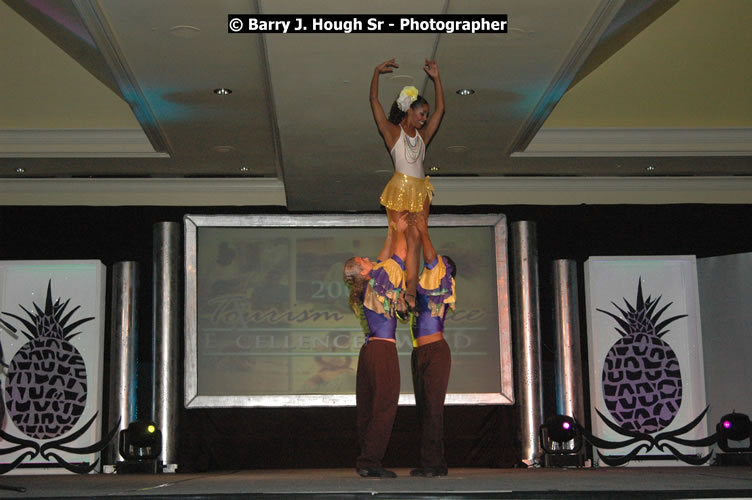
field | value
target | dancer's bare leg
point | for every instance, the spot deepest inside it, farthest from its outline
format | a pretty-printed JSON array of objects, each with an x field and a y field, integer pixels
[
  {"x": 426, "y": 210},
  {"x": 412, "y": 264},
  {"x": 400, "y": 248}
]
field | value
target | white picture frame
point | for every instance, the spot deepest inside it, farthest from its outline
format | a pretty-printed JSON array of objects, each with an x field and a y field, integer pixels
[{"x": 496, "y": 226}]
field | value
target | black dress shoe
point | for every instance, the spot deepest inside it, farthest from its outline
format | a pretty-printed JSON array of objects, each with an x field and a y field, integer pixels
[{"x": 375, "y": 472}]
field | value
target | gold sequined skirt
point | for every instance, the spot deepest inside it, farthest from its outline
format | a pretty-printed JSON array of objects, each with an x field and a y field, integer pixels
[{"x": 405, "y": 193}]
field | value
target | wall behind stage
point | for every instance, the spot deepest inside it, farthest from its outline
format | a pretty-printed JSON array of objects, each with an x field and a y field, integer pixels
[
  {"x": 725, "y": 296},
  {"x": 325, "y": 437}
]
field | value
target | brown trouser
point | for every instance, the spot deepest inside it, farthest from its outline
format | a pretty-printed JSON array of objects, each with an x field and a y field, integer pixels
[
  {"x": 376, "y": 395},
  {"x": 431, "y": 364}
]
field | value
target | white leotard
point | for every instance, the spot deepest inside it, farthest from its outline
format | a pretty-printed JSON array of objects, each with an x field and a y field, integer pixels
[{"x": 408, "y": 154}]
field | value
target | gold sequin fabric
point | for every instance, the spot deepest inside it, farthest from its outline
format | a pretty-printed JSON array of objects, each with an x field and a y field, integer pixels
[{"x": 406, "y": 193}]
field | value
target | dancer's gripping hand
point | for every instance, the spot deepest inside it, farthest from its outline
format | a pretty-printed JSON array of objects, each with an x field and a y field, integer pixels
[
  {"x": 432, "y": 69},
  {"x": 402, "y": 223},
  {"x": 420, "y": 222},
  {"x": 386, "y": 67}
]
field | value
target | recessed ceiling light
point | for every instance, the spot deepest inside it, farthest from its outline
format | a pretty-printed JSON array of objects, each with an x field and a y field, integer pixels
[
  {"x": 433, "y": 169},
  {"x": 650, "y": 168},
  {"x": 458, "y": 149},
  {"x": 464, "y": 92},
  {"x": 20, "y": 170},
  {"x": 244, "y": 169},
  {"x": 222, "y": 91}
]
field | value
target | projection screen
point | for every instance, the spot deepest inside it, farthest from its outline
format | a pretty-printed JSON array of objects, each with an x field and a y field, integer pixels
[{"x": 267, "y": 320}]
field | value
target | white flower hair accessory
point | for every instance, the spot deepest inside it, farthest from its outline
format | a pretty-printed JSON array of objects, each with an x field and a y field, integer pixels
[{"x": 407, "y": 96}]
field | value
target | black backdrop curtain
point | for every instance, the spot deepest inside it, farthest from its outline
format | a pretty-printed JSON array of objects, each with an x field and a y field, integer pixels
[{"x": 222, "y": 439}]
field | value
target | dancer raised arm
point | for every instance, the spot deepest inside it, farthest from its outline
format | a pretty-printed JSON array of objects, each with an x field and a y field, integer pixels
[{"x": 406, "y": 133}]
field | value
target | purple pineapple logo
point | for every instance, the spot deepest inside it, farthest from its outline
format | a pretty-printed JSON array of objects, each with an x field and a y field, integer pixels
[
  {"x": 45, "y": 388},
  {"x": 641, "y": 379}
]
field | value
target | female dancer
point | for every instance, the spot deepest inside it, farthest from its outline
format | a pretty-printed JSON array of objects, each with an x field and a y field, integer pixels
[
  {"x": 406, "y": 133},
  {"x": 375, "y": 291}
]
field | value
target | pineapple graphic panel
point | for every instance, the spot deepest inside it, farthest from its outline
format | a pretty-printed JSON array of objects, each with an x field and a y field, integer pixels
[
  {"x": 646, "y": 373},
  {"x": 51, "y": 349}
]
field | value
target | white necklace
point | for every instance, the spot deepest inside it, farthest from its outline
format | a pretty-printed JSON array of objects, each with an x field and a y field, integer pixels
[{"x": 413, "y": 150}]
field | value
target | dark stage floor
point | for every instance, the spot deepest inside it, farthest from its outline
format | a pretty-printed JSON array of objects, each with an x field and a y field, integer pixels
[{"x": 628, "y": 482}]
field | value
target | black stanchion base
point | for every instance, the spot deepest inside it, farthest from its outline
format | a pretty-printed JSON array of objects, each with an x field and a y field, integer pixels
[
  {"x": 563, "y": 460},
  {"x": 139, "y": 467},
  {"x": 740, "y": 458}
]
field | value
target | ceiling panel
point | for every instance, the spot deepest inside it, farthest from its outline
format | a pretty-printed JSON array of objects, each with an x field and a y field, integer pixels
[
  {"x": 42, "y": 87},
  {"x": 511, "y": 75},
  {"x": 333, "y": 157},
  {"x": 689, "y": 69},
  {"x": 179, "y": 56},
  {"x": 299, "y": 111}
]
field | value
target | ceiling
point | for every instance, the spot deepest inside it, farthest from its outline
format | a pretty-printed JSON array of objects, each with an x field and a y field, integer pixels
[{"x": 577, "y": 88}]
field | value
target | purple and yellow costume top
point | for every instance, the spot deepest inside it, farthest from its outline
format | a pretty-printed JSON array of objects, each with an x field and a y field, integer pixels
[
  {"x": 380, "y": 298},
  {"x": 436, "y": 294}
]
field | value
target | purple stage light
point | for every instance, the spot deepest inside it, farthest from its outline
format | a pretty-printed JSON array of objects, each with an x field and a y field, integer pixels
[
  {"x": 565, "y": 425},
  {"x": 726, "y": 424}
]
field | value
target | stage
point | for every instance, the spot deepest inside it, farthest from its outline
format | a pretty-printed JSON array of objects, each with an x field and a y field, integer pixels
[{"x": 627, "y": 482}]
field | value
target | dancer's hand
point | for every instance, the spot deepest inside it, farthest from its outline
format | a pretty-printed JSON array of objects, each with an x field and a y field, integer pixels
[
  {"x": 402, "y": 223},
  {"x": 399, "y": 224},
  {"x": 386, "y": 67},
  {"x": 432, "y": 69},
  {"x": 420, "y": 223}
]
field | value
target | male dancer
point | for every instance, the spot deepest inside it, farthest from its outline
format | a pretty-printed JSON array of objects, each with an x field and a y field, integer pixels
[
  {"x": 431, "y": 358},
  {"x": 375, "y": 292}
]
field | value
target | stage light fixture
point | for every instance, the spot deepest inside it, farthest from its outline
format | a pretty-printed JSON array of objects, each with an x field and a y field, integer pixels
[
  {"x": 734, "y": 427},
  {"x": 561, "y": 428},
  {"x": 141, "y": 440},
  {"x": 140, "y": 445},
  {"x": 561, "y": 440}
]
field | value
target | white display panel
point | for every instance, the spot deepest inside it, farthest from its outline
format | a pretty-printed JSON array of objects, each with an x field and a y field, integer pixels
[
  {"x": 646, "y": 376},
  {"x": 52, "y": 385}
]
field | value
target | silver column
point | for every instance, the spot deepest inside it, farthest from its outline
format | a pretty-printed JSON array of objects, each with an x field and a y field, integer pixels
[
  {"x": 167, "y": 330},
  {"x": 528, "y": 336},
  {"x": 569, "y": 396},
  {"x": 123, "y": 349}
]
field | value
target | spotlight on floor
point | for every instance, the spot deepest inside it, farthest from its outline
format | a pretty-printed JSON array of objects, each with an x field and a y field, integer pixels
[
  {"x": 733, "y": 431},
  {"x": 561, "y": 440},
  {"x": 140, "y": 445}
]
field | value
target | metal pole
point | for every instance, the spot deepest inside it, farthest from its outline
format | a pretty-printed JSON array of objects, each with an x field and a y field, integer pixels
[
  {"x": 166, "y": 341},
  {"x": 569, "y": 396},
  {"x": 123, "y": 348},
  {"x": 528, "y": 336}
]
